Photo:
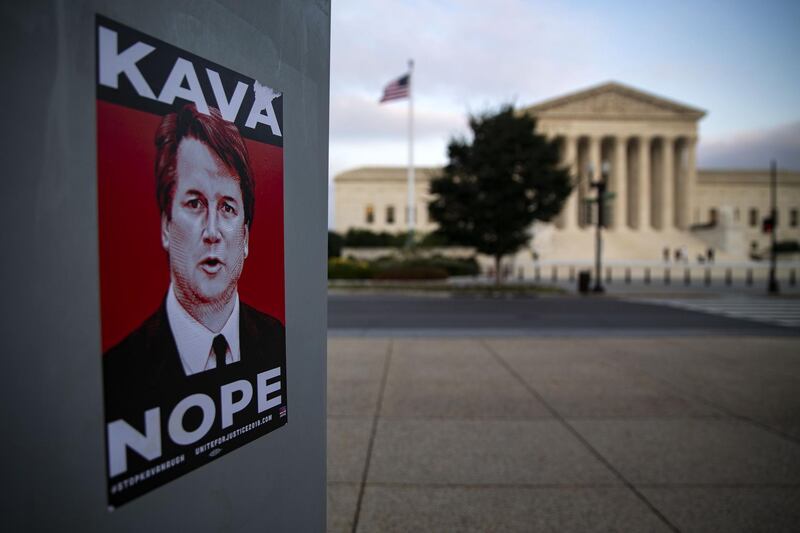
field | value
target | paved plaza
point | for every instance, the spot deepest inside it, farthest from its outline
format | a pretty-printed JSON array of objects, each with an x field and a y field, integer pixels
[{"x": 564, "y": 434}]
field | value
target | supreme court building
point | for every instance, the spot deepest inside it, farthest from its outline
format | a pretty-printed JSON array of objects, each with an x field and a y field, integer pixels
[{"x": 660, "y": 199}]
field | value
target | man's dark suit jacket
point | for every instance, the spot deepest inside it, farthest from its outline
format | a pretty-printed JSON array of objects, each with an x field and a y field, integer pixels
[{"x": 145, "y": 370}]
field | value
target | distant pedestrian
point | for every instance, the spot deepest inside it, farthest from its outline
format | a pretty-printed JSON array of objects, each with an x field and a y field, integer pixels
[{"x": 710, "y": 255}]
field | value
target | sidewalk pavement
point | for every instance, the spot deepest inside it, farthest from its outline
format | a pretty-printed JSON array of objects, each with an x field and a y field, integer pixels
[{"x": 543, "y": 434}]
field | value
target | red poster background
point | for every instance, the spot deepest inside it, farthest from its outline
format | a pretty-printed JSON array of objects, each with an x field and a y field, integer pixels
[{"x": 134, "y": 273}]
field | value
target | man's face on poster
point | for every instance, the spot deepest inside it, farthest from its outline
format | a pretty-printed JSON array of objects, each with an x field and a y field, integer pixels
[{"x": 205, "y": 236}]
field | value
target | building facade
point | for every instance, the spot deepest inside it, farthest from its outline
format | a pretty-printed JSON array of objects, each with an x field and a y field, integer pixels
[{"x": 660, "y": 200}]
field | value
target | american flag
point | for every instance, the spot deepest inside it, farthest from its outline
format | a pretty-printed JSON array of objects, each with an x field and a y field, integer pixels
[{"x": 397, "y": 89}]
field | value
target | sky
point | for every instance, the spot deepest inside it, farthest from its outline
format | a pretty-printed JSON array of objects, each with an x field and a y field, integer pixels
[{"x": 736, "y": 60}]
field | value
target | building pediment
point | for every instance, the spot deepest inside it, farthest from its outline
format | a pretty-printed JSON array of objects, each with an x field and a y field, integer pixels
[{"x": 614, "y": 101}]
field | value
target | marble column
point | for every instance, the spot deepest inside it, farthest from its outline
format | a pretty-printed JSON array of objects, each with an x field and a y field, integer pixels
[
  {"x": 689, "y": 182},
  {"x": 643, "y": 183},
  {"x": 620, "y": 184},
  {"x": 570, "y": 211},
  {"x": 562, "y": 158},
  {"x": 667, "y": 185}
]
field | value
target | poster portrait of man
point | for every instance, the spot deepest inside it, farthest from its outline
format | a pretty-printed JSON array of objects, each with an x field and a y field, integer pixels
[
  {"x": 191, "y": 288},
  {"x": 205, "y": 192}
]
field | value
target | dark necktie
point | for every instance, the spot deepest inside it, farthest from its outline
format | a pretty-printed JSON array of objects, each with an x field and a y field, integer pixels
[{"x": 220, "y": 347}]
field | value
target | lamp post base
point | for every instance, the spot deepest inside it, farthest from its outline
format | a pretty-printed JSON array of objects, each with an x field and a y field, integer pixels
[{"x": 773, "y": 287}]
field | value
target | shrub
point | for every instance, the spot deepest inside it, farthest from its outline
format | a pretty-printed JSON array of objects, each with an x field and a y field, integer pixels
[
  {"x": 335, "y": 242},
  {"x": 437, "y": 267},
  {"x": 349, "y": 269},
  {"x": 408, "y": 271},
  {"x": 457, "y": 267},
  {"x": 433, "y": 240},
  {"x": 389, "y": 267},
  {"x": 364, "y": 238}
]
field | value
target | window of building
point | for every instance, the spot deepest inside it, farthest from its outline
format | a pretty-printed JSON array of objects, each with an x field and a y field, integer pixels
[
  {"x": 369, "y": 215},
  {"x": 753, "y": 217},
  {"x": 390, "y": 214},
  {"x": 793, "y": 218},
  {"x": 712, "y": 215}
]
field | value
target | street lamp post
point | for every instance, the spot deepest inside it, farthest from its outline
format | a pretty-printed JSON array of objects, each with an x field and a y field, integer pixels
[{"x": 601, "y": 186}]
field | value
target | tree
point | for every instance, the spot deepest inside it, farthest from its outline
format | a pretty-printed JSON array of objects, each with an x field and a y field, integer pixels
[
  {"x": 497, "y": 185},
  {"x": 335, "y": 243}
]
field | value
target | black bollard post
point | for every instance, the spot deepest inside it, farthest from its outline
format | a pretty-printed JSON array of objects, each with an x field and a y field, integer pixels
[
  {"x": 647, "y": 276},
  {"x": 708, "y": 277}
]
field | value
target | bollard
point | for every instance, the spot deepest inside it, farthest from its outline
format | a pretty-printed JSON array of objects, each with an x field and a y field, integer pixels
[
  {"x": 584, "y": 279},
  {"x": 554, "y": 274},
  {"x": 708, "y": 277},
  {"x": 728, "y": 277},
  {"x": 647, "y": 276},
  {"x": 628, "y": 276},
  {"x": 792, "y": 278},
  {"x": 687, "y": 276},
  {"x": 749, "y": 279},
  {"x": 608, "y": 275},
  {"x": 537, "y": 273},
  {"x": 667, "y": 279}
]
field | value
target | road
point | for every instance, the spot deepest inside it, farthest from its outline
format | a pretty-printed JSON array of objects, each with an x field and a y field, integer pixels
[{"x": 376, "y": 315}]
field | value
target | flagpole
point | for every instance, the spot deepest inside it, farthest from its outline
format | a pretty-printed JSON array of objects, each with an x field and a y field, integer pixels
[{"x": 411, "y": 194}]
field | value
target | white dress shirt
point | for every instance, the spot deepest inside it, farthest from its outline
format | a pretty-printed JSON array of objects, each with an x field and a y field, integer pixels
[{"x": 194, "y": 340}]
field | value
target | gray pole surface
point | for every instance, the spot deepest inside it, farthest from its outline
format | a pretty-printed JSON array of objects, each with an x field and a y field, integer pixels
[{"x": 53, "y": 453}]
